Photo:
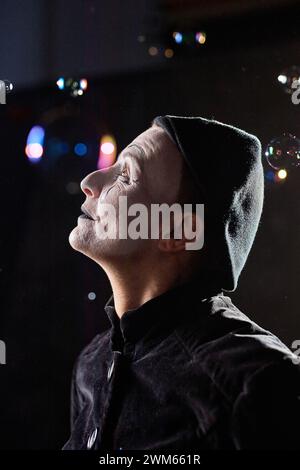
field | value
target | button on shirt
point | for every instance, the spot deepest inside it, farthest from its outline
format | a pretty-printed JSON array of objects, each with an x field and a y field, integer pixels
[{"x": 185, "y": 370}]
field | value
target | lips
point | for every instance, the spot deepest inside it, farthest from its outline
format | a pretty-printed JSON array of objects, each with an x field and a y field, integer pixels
[{"x": 86, "y": 214}]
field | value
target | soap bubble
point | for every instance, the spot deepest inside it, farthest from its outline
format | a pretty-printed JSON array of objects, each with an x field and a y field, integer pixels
[
  {"x": 73, "y": 187},
  {"x": 8, "y": 86},
  {"x": 91, "y": 295},
  {"x": 289, "y": 77},
  {"x": 283, "y": 152}
]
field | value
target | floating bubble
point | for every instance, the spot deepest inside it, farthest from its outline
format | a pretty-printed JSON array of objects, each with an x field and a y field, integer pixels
[
  {"x": 8, "y": 86},
  {"x": 73, "y": 187},
  {"x": 283, "y": 152},
  {"x": 290, "y": 79}
]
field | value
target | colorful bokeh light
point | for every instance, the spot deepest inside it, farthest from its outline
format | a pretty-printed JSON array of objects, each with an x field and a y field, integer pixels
[
  {"x": 107, "y": 151},
  {"x": 80, "y": 149},
  {"x": 34, "y": 145}
]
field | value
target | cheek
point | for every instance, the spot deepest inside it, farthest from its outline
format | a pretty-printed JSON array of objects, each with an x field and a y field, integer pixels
[
  {"x": 117, "y": 211},
  {"x": 164, "y": 182},
  {"x": 134, "y": 193}
]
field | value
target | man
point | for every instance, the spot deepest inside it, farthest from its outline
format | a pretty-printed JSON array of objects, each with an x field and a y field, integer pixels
[{"x": 181, "y": 367}]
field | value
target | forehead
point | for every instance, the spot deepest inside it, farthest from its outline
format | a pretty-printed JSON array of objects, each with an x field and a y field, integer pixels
[
  {"x": 152, "y": 145},
  {"x": 161, "y": 161}
]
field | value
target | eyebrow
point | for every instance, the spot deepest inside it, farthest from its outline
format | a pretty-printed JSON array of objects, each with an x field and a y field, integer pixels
[
  {"x": 124, "y": 154},
  {"x": 139, "y": 147}
]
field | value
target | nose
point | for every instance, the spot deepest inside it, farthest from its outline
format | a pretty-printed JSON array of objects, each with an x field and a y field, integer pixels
[{"x": 91, "y": 185}]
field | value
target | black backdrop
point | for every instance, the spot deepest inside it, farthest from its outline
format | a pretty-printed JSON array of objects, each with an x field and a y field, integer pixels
[{"x": 46, "y": 316}]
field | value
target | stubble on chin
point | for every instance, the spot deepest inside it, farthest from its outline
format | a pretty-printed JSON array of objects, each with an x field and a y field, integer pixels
[
  {"x": 87, "y": 243},
  {"x": 80, "y": 240}
]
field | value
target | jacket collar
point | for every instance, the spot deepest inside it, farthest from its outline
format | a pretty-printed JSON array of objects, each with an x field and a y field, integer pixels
[{"x": 166, "y": 308}]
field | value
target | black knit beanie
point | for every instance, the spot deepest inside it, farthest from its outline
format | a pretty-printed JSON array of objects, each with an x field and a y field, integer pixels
[{"x": 225, "y": 163}]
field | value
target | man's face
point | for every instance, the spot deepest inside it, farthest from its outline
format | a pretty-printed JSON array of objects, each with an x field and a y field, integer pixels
[{"x": 147, "y": 171}]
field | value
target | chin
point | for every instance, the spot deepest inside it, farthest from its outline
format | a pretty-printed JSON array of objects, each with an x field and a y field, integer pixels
[
  {"x": 73, "y": 239},
  {"x": 83, "y": 242},
  {"x": 77, "y": 240},
  {"x": 106, "y": 251}
]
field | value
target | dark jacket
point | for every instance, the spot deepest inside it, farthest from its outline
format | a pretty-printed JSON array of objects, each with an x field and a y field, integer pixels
[{"x": 186, "y": 370}]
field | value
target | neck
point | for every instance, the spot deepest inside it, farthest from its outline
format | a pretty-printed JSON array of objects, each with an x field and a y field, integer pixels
[{"x": 132, "y": 286}]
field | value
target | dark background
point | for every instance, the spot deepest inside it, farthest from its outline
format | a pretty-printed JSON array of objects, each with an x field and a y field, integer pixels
[{"x": 46, "y": 315}]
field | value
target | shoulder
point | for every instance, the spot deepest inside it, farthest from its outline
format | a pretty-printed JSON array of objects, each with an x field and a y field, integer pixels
[
  {"x": 230, "y": 348},
  {"x": 85, "y": 374},
  {"x": 88, "y": 360},
  {"x": 93, "y": 347}
]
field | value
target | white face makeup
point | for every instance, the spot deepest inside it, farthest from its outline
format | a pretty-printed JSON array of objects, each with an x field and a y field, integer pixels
[{"x": 147, "y": 171}]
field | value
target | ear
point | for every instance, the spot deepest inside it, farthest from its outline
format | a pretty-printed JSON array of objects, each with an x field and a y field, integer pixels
[{"x": 173, "y": 243}]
